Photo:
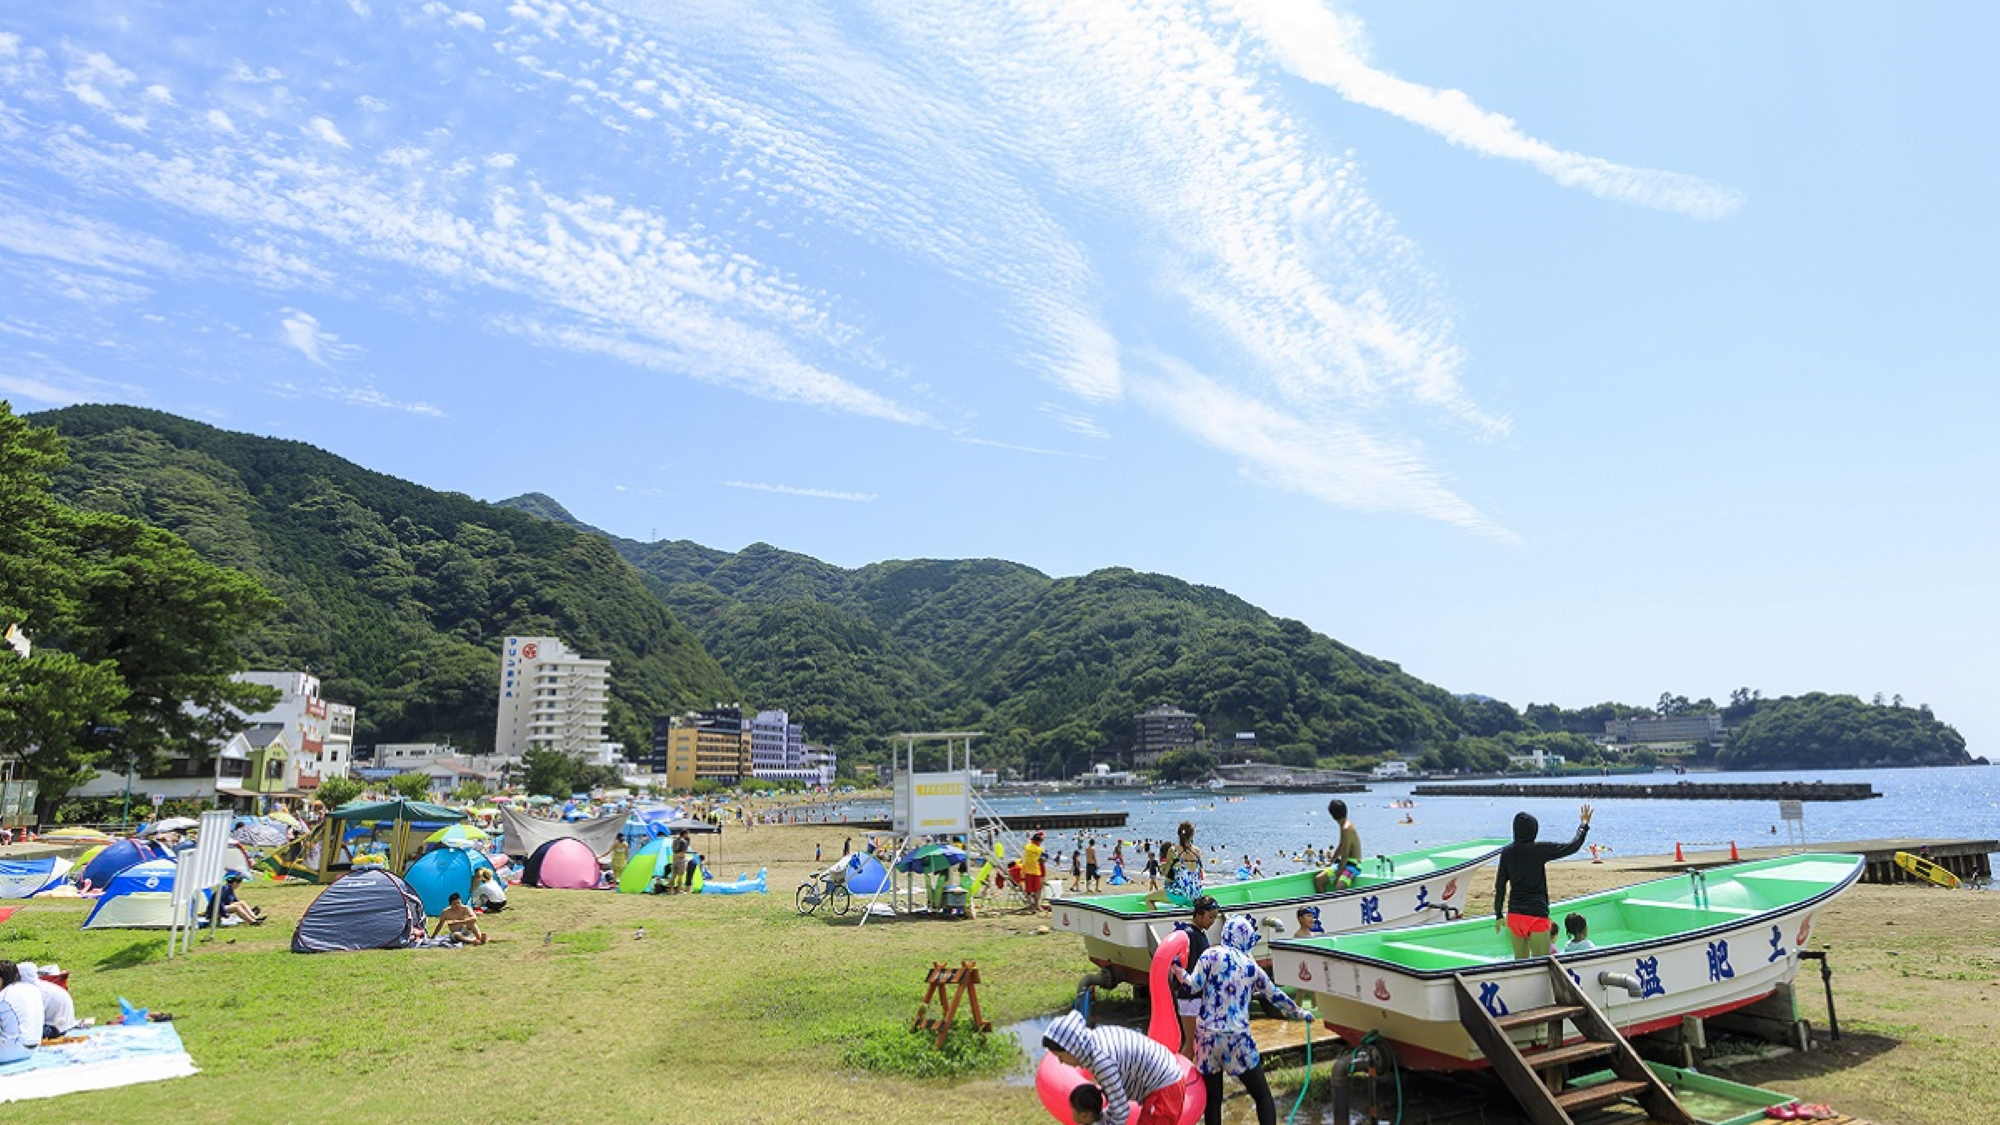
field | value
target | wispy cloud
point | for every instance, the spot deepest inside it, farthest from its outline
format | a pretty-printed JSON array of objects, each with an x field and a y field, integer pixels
[
  {"x": 810, "y": 493},
  {"x": 1074, "y": 421},
  {"x": 301, "y": 332},
  {"x": 1329, "y": 459},
  {"x": 323, "y": 129},
  {"x": 1329, "y": 48},
  {"x": 1015, "y": 447}
]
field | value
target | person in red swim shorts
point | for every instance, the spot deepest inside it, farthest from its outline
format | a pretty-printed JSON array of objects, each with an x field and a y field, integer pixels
[{"x": 1524, "y": 866}]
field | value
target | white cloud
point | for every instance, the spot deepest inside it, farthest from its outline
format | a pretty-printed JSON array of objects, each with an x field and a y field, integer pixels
[
  {"x": 371, "y": 103},
  {"x": 325, "y": 130},
  {"x": 369, "y": 396},
  {"x": 990, "y": 443},
  {"x": 220, "y": 121},
  {"x": 1329, "y": 459},
  {"x": 300, "y": 330},
  {"x": 501, "y": 160},
  {"x": 1074, "y": 421},
  {"x": 40, "y": 390},
  {"x": 810, "y": 493},
  {"x": 82, "y": 241},
  {"x": 1328, "y": 48},
  {"x": 468, "y": 19},
  {"x": 161, "y": 94},
  {"x": 10, "y": 45},
  {"x": 360, "y": 8}
]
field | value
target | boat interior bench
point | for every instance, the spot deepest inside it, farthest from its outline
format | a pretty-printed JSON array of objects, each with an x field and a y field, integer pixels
[
  {"x": 1672, "y": 916},
  {"x": 1434, "y": 957}
]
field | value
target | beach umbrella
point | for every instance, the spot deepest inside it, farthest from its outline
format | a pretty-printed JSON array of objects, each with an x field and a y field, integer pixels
[
  {"x": 77, "y": 835},
  {"x": 172, "y": 824},
  {"x": 283, "y": 817},
  {"x": 931, "y": 859},
  {"x": 458, "y": 836}
]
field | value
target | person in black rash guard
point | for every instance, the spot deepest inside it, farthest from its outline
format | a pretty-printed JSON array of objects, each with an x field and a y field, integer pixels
[{"x": 1524, "y": 865}]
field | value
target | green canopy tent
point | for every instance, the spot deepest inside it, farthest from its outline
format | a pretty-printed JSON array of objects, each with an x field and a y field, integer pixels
[{"x": 402, "y": 813}]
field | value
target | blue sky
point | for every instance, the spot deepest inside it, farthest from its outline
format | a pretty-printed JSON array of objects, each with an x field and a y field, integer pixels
[{"x": 1567, "y": 353}]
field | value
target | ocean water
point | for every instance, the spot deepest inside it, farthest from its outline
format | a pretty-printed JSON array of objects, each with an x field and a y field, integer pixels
[{"x": 1953, "y": 803}]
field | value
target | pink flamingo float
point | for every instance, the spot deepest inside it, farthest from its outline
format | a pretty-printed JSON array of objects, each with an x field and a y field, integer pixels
[{"x": 1054, "y": 1079}]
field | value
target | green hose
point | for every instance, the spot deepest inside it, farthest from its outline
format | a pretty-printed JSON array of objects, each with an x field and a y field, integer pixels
[{"x": 1307, "y": 1084}]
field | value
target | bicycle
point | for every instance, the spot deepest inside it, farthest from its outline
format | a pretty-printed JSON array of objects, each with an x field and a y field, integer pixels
[{"x": 827, "y": 888}]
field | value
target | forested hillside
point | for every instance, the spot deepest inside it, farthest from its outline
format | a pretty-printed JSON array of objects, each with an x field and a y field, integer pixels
[
  {"x": 1821, "y": 731},
  {"x": 1055, "y": 668},
  {"x": 396, "y": 595}
]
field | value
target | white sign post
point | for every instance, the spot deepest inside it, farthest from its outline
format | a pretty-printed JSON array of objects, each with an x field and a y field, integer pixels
[
  {"x": 1793, "y": 813},
  {"x": 197, "y": 871}
]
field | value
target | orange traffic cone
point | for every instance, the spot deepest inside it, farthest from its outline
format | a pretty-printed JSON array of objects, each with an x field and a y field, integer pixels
[
  {"x": 1678, "y": 857},
  {"x": 1734, "y": 856}
]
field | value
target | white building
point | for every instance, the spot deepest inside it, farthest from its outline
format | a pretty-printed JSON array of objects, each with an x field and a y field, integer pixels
[
  {"x": 300, "y": 714},
  {"x": 336, "y": 755},
  {"x": 550, "y": 699},
  {"x": 1391, "y": 768},
  {"x": 1541, "y": 761},
  {"x": 778, "y": 748},
  {"x": 226, "y": 774}
]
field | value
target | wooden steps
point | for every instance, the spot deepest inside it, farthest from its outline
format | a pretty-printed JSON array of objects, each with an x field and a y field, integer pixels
[
  {"x": 1512, "y": 1020},
  {"x": 1538, "y": 1076}
]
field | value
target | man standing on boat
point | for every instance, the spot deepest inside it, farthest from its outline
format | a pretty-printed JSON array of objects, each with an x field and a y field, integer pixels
[
  {"x": 1346, "y": 865},
  {"x": 1524, "y": 864}
]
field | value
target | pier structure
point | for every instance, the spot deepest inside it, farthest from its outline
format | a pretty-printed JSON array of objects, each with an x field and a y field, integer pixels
[{"x": 1674, "y": 791}]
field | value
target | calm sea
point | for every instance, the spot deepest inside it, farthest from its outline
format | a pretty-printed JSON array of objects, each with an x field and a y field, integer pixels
[{"x": 1935, "y": 803}]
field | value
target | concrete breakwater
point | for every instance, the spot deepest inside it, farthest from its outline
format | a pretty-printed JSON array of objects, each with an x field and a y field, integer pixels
[{"x": 1672, "y": 791}]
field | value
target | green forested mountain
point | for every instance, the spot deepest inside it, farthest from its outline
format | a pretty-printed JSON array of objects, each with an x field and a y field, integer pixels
[
  {"x": 396, "y": 595},
  {"x": 1054, "y": 667},
  {"x": 1821, "y": 731}
]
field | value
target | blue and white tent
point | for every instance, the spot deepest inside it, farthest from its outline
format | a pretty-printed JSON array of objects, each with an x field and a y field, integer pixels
[
  {"x": 21, "y": 878},
  {"x": 139, "y": 898}
]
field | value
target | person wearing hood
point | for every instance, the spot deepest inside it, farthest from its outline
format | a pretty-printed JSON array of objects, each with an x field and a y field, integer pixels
[
  {"x": 1524, "y": 868},
  {"x": 1226, "y": 977},
  {"x": 1130, "y": 1069},
  {"x": 20, "y": 994}
]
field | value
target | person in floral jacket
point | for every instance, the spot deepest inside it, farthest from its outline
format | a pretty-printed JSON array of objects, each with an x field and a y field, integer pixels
[{"x": 1226, "y": 977}]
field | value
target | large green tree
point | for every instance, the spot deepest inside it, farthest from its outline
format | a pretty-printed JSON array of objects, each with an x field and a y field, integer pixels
[{"x": 135, "y": 636}]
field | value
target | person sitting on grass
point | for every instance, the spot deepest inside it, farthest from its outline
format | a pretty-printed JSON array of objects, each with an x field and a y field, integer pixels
[
  {"x": 487, "y": 893},
  {"x": 233, "y": 907},
  {"x": 21, "y": 1012},
  {"x": 1578, "y": 929},
  {"x": 1130, "y": 1068},
  {"x": 463, "y": 922}
]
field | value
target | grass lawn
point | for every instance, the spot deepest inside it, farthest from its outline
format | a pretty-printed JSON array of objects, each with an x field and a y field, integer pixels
[{"x": 733, "y": 1009}]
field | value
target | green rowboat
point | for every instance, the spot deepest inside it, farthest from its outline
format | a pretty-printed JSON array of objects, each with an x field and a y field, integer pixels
[
  {"x": 1120, "y": 933},
  {"x": 1688, "y": 945}
]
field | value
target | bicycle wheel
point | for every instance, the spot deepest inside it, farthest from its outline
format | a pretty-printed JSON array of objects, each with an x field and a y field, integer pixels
[
  {"x": 841, "y": 899},
  {"x": 805, "y": 899}
]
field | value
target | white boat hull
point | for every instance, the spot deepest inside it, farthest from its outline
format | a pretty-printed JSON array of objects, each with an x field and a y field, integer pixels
[
  {"x": 1702, "y": 975},
  {"x": 1125, "y": 944}
]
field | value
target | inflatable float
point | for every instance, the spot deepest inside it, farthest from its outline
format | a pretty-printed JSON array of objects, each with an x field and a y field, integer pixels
[
  {"x": 1054, "y": 1079},
  {"x": 1926, "y": 870},
  {"x": 743, "y": 885}
]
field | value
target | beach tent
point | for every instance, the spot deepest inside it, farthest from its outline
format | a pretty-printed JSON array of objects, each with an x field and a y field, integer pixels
[
  {"x": 865, "y": 874},
  {"x": 565, "y": 864},
  {"x": 139, "y": 897},
  {"x": 367, "y": 908},
  {"x": 654, "y": 861},
  {"x": 20, "y": 878},
  {"x": 524, "y": 835},
  {"x": 117, "y": 856},
  {"x": 440, "y": 874}
]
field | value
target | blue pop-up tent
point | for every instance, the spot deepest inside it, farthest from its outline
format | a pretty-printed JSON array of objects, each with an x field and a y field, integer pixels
[
  {"x": 865, "y": 874},
  {"x": 139, "y": 897},
  {"x": 117, "y": 856},
  {"x": 438, "y": 875}
]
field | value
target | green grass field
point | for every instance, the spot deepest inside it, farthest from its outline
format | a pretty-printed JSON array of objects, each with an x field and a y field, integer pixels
[{"x": 730, "y": 1009}]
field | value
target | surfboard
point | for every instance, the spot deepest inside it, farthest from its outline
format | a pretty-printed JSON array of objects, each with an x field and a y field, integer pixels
[{"x": 1924, "y": 869}]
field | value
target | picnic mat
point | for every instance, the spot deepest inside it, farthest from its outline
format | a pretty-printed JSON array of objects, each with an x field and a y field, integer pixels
[{"x": 108, "y": 1057}]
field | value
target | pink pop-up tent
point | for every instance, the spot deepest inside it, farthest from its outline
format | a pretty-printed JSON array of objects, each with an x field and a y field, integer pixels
[{"x": 567, "y": 864}]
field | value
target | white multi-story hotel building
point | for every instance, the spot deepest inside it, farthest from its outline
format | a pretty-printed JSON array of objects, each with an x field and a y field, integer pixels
[{"x": 550, "y": 699}]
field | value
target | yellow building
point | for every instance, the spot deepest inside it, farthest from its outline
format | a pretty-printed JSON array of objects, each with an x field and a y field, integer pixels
[{"x": 702, "y": 750}]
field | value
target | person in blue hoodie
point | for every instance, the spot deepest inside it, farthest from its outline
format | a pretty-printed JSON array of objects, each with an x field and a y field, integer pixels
[{"x": 1227, "y": 978}]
